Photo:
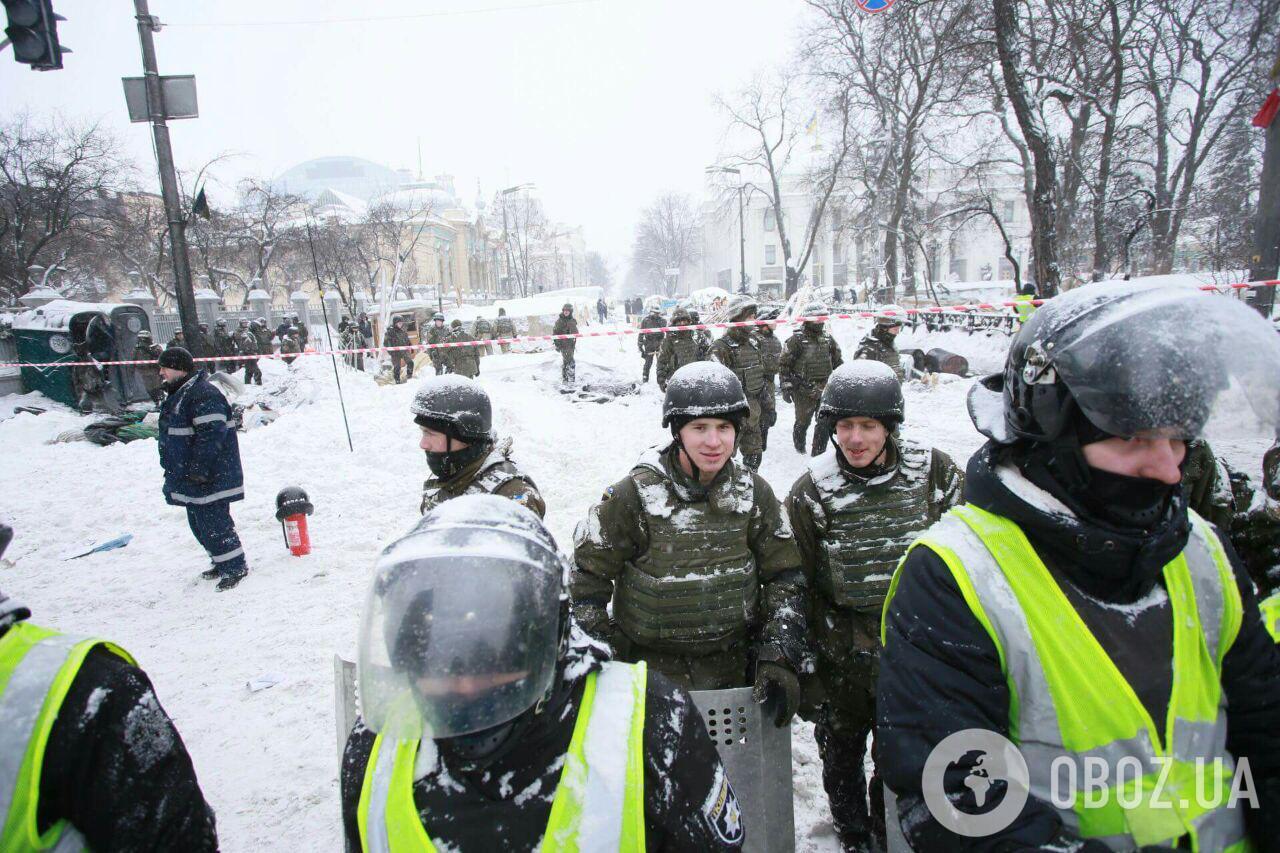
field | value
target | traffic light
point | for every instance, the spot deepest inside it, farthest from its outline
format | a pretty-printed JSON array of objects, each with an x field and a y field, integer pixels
[{"x": 33, "y": 32}]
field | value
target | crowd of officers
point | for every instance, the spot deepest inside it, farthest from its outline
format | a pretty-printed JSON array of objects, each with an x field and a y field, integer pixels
[{"x": 1061, "y": 592}]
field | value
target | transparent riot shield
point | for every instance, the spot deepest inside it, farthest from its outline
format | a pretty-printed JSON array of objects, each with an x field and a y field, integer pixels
[
  {"x": 757, "y": 757},
  {"x": 344, "y": 699}
]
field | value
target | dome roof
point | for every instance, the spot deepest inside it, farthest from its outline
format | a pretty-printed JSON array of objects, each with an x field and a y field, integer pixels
[{"x": 351, "y": 176}]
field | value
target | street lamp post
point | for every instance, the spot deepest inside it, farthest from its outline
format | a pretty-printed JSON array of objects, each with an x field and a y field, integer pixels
[{"x": 742, "y": 226}]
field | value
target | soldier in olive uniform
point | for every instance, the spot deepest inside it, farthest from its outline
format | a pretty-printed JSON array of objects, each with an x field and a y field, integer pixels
[
  {"x": 149, "y": 350},
  {"x": 879, "y": 344},
  {"x": 396, "y": 336},
  {"x": 855, "y": 511},
  {"x": 703, "y": 336},
  {"x": 482, "y": 330},
  {"x": 247, "y": 346},
  {"x": 566, "y": 325},
  {"x": 464, "y": 456},
  {"x": 437, "y": 334},
  {"x": 697, "y": 556},
  {"x": 262, "y": 333},
  {"x": 807, "y": 361},
  {"x": 678, "y": 348},
  {"x": 464, "y": 361},
  {"x": 1206, "y": 484},
  {"x": 739, "y": 350},
  {"x": 224, "y": 345},
  {"x": 504, "y": 327},
  {"x": 771, "y": 355},
  {"x": 650, "y": 344}
]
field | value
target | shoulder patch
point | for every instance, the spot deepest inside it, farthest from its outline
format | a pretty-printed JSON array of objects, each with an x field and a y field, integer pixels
[
  {"x": 721, "y": 810},
  {"x": 608, "y": 494}
]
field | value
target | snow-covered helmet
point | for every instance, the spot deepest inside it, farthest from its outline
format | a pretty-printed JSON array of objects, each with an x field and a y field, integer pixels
[
  {"x": 144, "y": 335},
  {"x": 863, "y": 389},
  {"x": 1132, "y": 358},
  {"x": 703, "y": 389},
  {"x": 680, "y": 317},
  {"x": 437, "y": 317},
  {"x": 891, "y": 315},
  {"x": 739, "y": 307},
  {"x": 453, "y": 405}
]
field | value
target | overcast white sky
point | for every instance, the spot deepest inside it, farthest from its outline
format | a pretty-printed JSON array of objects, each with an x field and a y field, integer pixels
[{"x": 602, "y": 103}]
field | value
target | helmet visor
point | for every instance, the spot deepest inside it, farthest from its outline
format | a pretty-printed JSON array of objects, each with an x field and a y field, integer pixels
[
  {"x": 455, "y": 644},
  {"x": 1166, "y": 360}
]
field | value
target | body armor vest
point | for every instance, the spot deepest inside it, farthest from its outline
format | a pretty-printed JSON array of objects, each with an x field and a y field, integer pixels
[
  {"x": 745, "y": 361},
  {"x": 695, "y": 590},
  {"x": 813, "y": 364},
  {"x": 869, "y": 524},
  {"x": 684, "y": 349}
]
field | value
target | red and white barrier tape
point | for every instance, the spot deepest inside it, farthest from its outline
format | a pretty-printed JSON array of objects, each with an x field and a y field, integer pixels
[{"x": 856, "y": 315}]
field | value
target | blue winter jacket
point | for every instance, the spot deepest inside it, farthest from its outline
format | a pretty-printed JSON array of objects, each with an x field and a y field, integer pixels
[{"x": 198, "y": 447}]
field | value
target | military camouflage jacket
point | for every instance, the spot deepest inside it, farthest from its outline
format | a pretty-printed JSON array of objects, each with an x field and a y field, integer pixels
[
  {"x": 851, "y": 532},
  {"x": 495, "y": 473},
  {"x": 629, "y": 550},
  {"x": 878, "y": 346}
]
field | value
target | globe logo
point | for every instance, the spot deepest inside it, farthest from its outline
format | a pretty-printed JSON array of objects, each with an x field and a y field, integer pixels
[
  {"x": 975, "y": 782},
  {"x": 874, "y": 5}
]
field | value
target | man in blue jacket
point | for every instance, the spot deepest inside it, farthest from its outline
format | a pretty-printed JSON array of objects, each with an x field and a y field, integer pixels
[{"x": 201, "y": 461}]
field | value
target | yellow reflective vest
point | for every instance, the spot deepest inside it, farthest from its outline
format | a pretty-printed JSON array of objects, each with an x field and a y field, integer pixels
[
  {"x": 1024, "y": 307},
  {"x": 1270, "y": 608},
  {"x": 37, "y": 667},
  {"x": 598, "y": 805},
  {"x": 1070, "y": 704}
]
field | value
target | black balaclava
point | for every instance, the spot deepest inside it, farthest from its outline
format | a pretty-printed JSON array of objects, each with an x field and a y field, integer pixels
[
  {"x": 445, "y": 466},
  {"x": 1132, "y": 504}
]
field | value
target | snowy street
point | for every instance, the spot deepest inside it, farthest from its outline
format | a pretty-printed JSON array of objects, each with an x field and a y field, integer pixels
[{"x": 267, "y": 760}]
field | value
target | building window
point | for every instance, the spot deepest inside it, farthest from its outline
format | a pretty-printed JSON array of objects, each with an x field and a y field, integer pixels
[
  {"x": 770, "y": 255},
  {"x": 1010, "y": 211},
  {"x": 819, "y": 275},
  {"x": 834, "y": 221},
  {"x": 1006, "y": 270},
  {"x": 837, "y": 253},
  {"x": 770, "y": 221}
]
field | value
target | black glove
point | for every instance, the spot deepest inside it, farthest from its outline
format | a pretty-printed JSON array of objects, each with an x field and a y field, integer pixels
[{"x": 778, "y": 685}]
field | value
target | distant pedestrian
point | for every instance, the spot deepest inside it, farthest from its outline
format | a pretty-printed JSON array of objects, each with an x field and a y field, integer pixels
[
  {"x": 566, "y": 325},
  {"x": 289, "y": 346},
  {"x": 148, "y": 350},
  {"x": 201, "y": 460},
  {"x": 396, "y": 336},
  {"x": 602, "y": 309},
  {"x": 483, "y": 331},
  {"x": 503, "y": 327},
  {"x": 247, "y": 346}
]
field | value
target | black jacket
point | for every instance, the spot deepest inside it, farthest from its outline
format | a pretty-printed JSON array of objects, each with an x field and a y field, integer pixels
[
  {"x": 940, "y": 673},
  {"x": 506, "y": 806},
  {"x": 116, "y": 768}
]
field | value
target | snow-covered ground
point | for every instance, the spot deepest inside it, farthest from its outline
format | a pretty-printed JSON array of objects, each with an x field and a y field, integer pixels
[{"x": 268, "y": 760}]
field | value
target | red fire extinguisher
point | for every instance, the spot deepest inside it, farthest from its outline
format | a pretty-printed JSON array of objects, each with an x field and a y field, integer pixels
[{"x": 292, "y": 508}]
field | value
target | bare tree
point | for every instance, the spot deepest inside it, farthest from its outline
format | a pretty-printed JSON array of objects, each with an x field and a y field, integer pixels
[
  {"x": 764, "y": 116},
  {"x": 668, "y": 236},
  {"x": 599, "y": 272},
  {"x": 56, "y": 180},
  {"x": 1198, "y": 65},
  {"x": 1011, "y": 46}
]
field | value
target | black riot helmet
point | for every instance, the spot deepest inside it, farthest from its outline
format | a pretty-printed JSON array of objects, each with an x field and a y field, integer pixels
[
  {"x": 703, "y": 389},
  {"x": 1131, "y": 358},
  {"x": 862, "y": 389},
  {"x": 455, "y": 406},
  {"x": 465, "y": 621}
]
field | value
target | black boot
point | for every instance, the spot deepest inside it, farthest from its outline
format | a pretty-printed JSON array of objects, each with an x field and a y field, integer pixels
[
  {"x": 797, "y": 438},
  {"x": 764, "y": 440},
  {"x": 230, "y": 580},
  {"x": 211, "y": 574}
]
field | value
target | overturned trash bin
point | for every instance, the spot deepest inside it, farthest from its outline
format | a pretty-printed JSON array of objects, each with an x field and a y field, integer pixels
[{"x": 757, "y": 756}]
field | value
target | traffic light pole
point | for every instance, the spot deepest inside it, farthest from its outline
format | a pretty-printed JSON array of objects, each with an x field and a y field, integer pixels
[{"x": 168, "y": 178}]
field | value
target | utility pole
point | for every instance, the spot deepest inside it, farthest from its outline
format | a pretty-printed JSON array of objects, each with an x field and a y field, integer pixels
[
  {"x": 1266, "y": 227},
  {"x": 168, "y": 178},
  {"x": 742, "y": 243}
]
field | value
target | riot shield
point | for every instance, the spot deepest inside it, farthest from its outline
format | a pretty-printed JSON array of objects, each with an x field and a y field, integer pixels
[
  {"x": 344, "y": 699},
  {"x": 757, "y": 756}
]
